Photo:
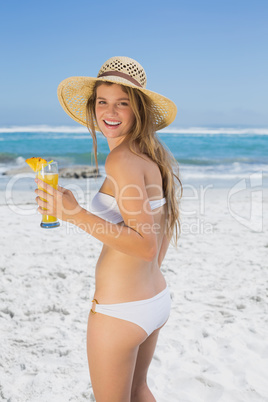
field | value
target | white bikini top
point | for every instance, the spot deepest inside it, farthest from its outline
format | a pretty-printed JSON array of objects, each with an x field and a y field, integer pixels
[{"x": 105, "y": 206}]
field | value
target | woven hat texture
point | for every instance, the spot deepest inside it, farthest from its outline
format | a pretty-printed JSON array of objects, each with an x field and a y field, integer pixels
[{"x": 73, "y": 92}]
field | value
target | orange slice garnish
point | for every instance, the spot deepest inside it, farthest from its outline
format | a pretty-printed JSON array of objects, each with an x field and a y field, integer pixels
[{"x": 36, "y": 163}]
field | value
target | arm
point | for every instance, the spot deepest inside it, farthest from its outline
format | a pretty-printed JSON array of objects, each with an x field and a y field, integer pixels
[
  {"x": 137, "y": 238},
  {"x": 121, "y": 238},
  {"x": 163, "y": 250}
]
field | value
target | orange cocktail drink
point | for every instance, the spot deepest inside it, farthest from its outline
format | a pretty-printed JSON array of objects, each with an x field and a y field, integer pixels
[{"x": 49, "y": 174}]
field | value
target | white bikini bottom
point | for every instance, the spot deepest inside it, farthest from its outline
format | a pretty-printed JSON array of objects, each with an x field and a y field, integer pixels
[{"x": 149, "y": 314}]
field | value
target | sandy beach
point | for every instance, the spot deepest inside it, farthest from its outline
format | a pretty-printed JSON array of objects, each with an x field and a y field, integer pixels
[{"x": 213, "y": 348}]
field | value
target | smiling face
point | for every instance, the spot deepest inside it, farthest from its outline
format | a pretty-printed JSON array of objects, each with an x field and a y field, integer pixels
[{"x": 115, "y": 117}]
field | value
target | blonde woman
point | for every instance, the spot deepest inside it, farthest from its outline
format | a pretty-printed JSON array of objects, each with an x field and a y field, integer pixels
[{"x": 134, "y": 214}]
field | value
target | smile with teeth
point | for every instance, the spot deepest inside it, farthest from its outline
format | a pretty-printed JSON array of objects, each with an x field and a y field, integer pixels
[{"x": 112, "y": 123}]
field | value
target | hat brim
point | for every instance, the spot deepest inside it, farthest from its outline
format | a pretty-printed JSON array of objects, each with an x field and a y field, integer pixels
[{"x": 73, "y": 94}]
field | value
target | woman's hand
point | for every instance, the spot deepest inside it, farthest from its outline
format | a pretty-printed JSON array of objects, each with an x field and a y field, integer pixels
[{"x": 60, "y": 203}]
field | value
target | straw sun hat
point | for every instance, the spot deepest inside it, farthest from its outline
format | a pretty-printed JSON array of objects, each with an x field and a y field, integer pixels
[{"x": 74, "y": 92}]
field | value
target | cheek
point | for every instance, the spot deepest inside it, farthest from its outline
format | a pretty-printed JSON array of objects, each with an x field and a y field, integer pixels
[
  {"x": 97, "y": 113},
  {"x": 131, "y": 119}
]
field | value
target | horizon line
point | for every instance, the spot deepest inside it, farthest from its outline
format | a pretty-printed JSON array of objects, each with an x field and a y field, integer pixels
[{"x": 43, "y": 128}]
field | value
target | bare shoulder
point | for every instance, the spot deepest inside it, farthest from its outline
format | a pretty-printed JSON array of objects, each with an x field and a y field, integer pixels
[
  {"x": 122, "y": 160},
  {"x": 126, "y": 167}
]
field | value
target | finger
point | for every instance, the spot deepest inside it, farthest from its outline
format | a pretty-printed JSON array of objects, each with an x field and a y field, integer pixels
[
  {"x": 42, "y": 194},
  {"x": 42, "y": 211},
  {"x": 44, "y": 186},
  {"x": 41, "y": 203},
  {"x": 61, "y": 189}
]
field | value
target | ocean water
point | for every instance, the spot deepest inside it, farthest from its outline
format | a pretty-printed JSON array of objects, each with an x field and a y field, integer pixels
[{"x": 205, "y": 155}]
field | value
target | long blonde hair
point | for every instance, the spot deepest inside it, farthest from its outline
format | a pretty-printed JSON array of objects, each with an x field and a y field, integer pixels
[{"x": 144, "y": 135}]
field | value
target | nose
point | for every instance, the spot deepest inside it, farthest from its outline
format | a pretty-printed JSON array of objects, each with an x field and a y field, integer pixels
[{"x": 111, "y": 109}]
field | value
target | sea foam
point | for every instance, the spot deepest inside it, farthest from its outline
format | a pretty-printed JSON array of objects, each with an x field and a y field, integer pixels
[{"x": 169, "y": 130}]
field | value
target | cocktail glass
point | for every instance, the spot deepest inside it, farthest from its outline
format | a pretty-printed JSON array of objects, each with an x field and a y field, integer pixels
[{"x": 49, "y": 174}]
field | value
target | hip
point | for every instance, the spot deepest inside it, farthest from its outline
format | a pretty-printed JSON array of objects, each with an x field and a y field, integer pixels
[
  {"x": 117, "y": 286},
  {"x": 149, "y": 314}
]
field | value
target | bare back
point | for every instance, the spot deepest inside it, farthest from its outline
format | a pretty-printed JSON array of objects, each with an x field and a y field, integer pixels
[{"x": 119, "y": 276}]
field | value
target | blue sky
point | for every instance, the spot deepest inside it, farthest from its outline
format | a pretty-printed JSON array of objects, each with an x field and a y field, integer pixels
[{"x": 209, "y": 57}]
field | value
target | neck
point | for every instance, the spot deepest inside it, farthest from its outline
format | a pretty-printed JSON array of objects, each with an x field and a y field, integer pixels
[{"x": 115, "y": 142}]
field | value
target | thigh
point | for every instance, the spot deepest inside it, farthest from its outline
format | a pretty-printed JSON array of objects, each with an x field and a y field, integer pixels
[
  {"x": 143, "y": 361},
  {"x": 112, "y": 347}
]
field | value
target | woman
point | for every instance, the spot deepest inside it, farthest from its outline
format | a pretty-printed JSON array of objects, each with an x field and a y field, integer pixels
[{"x": 134, "y": 215}]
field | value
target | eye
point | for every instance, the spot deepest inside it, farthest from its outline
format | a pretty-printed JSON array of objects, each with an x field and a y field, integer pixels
[
  {"x": 123, "y": 104},
  {"x": 101, "y": 102}
]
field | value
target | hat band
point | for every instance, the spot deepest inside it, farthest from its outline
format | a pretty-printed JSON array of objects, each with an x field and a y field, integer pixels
[{"x": 122, "y": 75}]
